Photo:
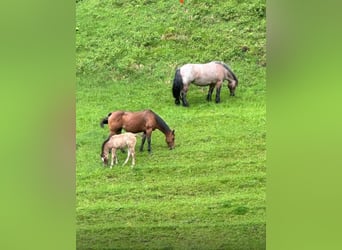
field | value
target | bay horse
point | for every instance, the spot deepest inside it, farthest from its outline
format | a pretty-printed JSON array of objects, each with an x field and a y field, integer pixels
[
  {"x": 120, "y": 141},
  {"x": 144, "y": 121},
  {"x": 212, "y": 74}
]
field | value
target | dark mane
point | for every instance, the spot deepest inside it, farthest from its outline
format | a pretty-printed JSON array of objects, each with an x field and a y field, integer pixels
[
  {"x": 103, "y": 144},
  {"x": 163, "y": 126},
  {"x": 229, "y": 70}
]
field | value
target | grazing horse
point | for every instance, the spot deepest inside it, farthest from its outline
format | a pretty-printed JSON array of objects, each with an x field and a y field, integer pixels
[
  {"x": 144, "y": 121},
  {"x": 119, "y": 142},
  {"x": 212, "y": 74}
]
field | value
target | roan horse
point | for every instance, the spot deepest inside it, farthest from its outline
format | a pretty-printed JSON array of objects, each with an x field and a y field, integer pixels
[
  {"x": 144, "y": 121},
  {"x": 119, "y": 142},
  {"x": 212, "y": 74}
]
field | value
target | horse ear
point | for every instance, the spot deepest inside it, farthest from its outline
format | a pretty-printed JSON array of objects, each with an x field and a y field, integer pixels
[{"x": 173, "y": 132}]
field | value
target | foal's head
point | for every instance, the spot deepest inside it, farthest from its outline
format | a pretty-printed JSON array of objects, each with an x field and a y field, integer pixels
[
  {"x": 170, "y": 139},
  {"x": 105, "y": 151},
  {"x": 104, "y": 158}
]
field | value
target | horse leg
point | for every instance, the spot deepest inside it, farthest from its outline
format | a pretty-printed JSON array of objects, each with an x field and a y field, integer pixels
[
  {"x": 128, "y": 154},
  {"x": 210, "y": 92},
  {"x": 133, "y": 157},
  {"x": 183, "y": 96},
  {"x": 148, "y": 135},
  {"x": 113, "y": 156},
  {"x": 143, "y": 142},
  {"x": 112, "y": 160},
  {"x": 218, "y": 91}
]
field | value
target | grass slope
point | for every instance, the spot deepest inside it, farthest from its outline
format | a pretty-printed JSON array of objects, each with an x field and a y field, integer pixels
[{"x": 208, "y": 193}]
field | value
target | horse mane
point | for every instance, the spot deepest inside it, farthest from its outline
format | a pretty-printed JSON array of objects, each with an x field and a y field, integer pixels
[
  {"x": 163, "y": 126},
  {"x": 104, "y": 143},
  {"x": 229, "y": 70}
]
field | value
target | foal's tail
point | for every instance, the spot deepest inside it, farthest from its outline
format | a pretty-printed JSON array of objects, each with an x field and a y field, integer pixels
[
  {"x": 104, "y": 120},
  {"x": 177, "y": 86}
]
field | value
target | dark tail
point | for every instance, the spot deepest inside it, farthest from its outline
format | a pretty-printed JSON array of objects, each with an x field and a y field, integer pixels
[
  {"x": 104, "y": 120},
  {"x": 177, "y": 86}
]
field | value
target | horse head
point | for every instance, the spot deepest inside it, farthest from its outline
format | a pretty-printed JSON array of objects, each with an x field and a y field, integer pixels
[
  {"x": 170, "y": 139},
  {"x": 104, "y": 158},
  {"x": 232, "y": 88}
]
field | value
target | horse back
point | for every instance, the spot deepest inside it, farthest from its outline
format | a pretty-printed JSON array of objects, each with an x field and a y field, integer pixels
[
  {"x": 140, "y": 121},
  {"x": 134, "y": 122},
  {"x": 115, "y": 119},
  {"x": 202, "y": 74},
  {"x": 123, "y": 140}
]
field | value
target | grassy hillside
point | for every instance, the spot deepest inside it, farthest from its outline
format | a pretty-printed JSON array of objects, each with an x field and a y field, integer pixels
[{"x": 207, "y": 193}]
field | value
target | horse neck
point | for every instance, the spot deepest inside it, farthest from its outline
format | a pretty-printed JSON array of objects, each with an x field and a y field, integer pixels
[
  {"x": 106, "y": 147},
  {"x": 161, "y": 125},
  {"x": 228, "y": 72}
]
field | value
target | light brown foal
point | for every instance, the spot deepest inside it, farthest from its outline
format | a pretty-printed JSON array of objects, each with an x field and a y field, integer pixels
[{"x": 120, "y": 141}]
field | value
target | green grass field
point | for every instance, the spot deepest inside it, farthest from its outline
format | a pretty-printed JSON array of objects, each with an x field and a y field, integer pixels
[{"x": 207, "y": 193}]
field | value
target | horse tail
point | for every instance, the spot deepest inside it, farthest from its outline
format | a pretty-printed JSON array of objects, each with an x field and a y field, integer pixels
[
  {"x": 177, "y": 85},
  {"x": 104, "y": 120}
]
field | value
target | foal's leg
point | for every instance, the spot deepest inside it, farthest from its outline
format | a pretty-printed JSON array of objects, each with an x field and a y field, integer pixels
[
  {"x": 114, "y": 156},
  {"x": 210, "y": 92},
  {"x": 128, "y": 154},
  {"x": 133, "y": 157}
]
